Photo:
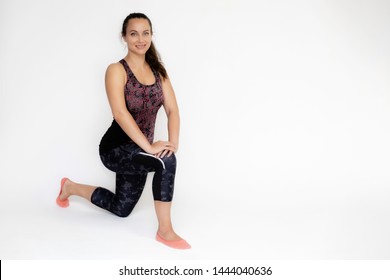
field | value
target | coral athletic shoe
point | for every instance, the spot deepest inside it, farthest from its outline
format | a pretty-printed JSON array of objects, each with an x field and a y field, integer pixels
[
  {"x": 62, "y": 203},
  {"x": 176, "y": 244}
]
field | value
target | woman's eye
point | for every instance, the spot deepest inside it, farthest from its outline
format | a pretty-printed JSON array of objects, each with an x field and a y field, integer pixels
[{"x": 132, "y": 34}]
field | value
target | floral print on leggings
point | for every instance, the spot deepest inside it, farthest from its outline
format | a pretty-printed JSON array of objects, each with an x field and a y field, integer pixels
[{"x": 131, "y": 166}]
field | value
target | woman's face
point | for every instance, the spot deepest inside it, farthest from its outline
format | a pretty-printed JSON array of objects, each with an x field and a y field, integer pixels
[{"x": 138, "y": 36}]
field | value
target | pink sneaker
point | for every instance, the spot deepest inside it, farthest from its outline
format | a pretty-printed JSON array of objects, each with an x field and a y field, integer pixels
[
  {"x": 176, "y": 244},
  {"x": 62, "y": 203}
]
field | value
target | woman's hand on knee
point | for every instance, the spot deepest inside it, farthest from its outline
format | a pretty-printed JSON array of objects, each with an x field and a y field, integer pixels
[
  {"x": 161, "y": 148},
  {"x": 168, "y": 153},
  {"x": 164, "y": 153}
]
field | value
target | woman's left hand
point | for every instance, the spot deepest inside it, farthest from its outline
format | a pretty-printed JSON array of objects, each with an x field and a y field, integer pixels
[{"x": 167, "y": 153}]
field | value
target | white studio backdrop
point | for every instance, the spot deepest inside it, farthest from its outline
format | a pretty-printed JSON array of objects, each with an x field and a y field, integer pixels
[{"x": 285, "y": 110}]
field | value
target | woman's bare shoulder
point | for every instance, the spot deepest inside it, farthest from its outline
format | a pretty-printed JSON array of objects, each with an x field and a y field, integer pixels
[
  {"x": 116, "y": 66},
  {"x": 116, "y": 71}
]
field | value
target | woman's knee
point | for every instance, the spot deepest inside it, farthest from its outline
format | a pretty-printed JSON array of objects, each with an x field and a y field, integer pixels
[
  {"x": 170, "y": 162},
  {"x": 123, "y": 212}
]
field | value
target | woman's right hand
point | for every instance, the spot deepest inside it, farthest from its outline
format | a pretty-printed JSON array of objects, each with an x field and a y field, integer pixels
[{"x": 160, "y": 146}]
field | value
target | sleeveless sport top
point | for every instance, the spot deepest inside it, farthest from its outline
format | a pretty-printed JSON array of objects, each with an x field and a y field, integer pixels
[{"x": 143, "y": 103}]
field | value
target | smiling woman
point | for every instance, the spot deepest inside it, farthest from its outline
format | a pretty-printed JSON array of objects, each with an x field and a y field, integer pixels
[
  {"x": 138, "y": 37},
  {"x": 137, "y": 86}
]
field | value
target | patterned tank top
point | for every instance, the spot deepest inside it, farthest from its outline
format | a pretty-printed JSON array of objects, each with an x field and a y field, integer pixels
[{"x": 143, "y": 103}]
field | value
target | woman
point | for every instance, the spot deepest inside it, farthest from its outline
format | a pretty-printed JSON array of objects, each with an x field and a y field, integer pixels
[{"x": 136, "y": 87}]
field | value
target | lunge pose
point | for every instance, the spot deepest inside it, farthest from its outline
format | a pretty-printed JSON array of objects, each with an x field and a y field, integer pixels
[{"x": 137, "y": 86}]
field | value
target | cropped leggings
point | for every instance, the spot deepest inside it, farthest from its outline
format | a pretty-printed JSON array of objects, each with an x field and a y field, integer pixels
[{"x": 131, "y": 166}]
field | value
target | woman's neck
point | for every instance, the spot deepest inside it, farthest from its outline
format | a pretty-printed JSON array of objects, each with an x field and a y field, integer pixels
[{"x": 135, "y": 61}]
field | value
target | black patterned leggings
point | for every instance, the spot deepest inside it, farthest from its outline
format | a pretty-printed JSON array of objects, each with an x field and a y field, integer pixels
[{"x": 131, "y": 166}]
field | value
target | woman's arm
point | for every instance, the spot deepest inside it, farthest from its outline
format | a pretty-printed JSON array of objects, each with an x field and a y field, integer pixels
[
  {"x": 115, "y": 82},
  {"x": 172, "y": 111}
]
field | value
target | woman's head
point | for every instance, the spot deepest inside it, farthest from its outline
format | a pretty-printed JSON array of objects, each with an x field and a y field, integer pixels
[
  {"x": 135, "y": 16},
  {"x": 137, "y": 33}
]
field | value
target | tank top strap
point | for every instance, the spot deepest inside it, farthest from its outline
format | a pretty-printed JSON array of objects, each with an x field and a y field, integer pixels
[
  {"x": 157, "y": 76},
  {"x": 130, "y": 73},
  {"x": 126, "y": 66}
]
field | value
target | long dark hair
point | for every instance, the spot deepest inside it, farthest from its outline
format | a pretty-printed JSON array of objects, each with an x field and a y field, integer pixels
[{"x": 152, "y": 57}]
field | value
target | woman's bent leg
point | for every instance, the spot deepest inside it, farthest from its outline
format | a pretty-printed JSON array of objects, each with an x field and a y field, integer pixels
[
  {"x": 128, "y": 191},
  {"x": 164, "y": 177},
  {"x": 163, "y": 186}
]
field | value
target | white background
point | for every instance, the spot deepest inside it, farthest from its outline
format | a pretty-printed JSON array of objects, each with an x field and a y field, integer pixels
[{"x": 285, "y": 109}]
